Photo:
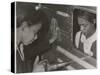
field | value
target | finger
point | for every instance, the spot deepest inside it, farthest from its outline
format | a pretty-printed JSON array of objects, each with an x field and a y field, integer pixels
[
  {"x": 59, "y": 60},
  {"x": 36, "y": 60},
  {"x": 44, "y": 62}
]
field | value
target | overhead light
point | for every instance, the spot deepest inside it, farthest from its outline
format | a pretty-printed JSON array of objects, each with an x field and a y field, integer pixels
[
  {"x": 62, "y": 13},
  {"x": 38, "y": 7}
]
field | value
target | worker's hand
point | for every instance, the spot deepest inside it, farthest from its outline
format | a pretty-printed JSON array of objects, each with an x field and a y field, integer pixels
[
  {"x": 90, "y": 53},
  {"x": 38, "y": 66}
]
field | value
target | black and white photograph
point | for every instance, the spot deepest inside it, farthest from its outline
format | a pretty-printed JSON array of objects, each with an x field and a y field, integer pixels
[{"x": 52, "y": 37}]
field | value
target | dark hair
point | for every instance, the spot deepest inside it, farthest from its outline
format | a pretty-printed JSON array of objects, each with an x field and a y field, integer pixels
[
  {"x": 26, "y": 12},
  {"x": 87, "y": 15}
]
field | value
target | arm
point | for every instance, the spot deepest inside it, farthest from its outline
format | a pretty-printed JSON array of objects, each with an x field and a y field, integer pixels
[
  {"x": 93, "y": 49},
  {"x": 77, "y": 37}
]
